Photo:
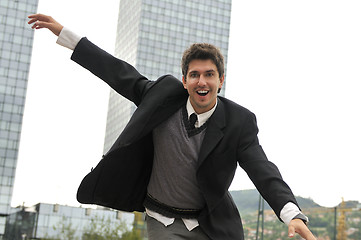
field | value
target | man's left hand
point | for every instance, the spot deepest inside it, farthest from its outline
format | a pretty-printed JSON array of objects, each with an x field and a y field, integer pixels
[{"x": 298, "y": 226}]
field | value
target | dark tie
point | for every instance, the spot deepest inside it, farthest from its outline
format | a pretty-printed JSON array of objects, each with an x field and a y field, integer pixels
[{"x": 192, "y": 120}]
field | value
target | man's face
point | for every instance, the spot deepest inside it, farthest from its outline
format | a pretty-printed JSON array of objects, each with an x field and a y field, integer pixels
[{"x": 202, "y": 83}]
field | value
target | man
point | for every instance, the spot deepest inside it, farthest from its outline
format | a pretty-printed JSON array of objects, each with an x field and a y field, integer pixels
[{"x": 177, "y": 156}]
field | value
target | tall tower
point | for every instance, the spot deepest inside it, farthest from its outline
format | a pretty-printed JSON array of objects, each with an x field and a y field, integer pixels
[
  {"x": 16, "y": 40},
  {"x": 152, "y": 35}
]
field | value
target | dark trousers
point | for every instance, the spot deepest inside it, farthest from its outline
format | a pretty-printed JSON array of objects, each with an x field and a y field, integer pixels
[{"x": 175, "y": 231}]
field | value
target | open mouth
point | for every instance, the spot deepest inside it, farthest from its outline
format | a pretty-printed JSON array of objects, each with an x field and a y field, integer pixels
[{"x": 202, "y": 93}]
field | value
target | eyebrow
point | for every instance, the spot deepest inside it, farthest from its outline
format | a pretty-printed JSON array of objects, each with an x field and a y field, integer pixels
[{"x": 207, "y": 71}]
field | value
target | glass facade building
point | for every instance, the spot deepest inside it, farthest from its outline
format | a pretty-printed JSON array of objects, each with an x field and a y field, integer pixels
[
  {"x": 53, "y": 221},
  {"x": 16, "y": 40},
  {"x": 152, "y": 36}
]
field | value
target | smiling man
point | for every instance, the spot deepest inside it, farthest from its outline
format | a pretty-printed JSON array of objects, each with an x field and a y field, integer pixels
[
  {"x": 202, "y": 82},
  {"x": 178, "y": 154},
  {"x": 203, "y": 75}
]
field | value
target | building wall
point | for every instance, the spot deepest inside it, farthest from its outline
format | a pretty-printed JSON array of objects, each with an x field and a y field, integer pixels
[
  {"x": 53, "y": 221},
  {"x": 152, "y": 36},
  {"x": 19, "y": 223},
  {"x": 126, "y": 45},
  {"x": 16, "y": 40}
]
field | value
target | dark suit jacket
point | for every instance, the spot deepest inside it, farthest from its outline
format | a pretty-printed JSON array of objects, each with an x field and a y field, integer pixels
[{"x": 120, "y": 179}]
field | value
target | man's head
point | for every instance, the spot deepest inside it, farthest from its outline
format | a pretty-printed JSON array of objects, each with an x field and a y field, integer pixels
[
  {"x": 203, "y": 51},
  {"x": 203, "y": 75}
]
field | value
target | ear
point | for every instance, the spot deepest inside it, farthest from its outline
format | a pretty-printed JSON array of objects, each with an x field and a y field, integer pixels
[
  {"x": 221, "y": 81},
  {"x": 184, "y": 82}
]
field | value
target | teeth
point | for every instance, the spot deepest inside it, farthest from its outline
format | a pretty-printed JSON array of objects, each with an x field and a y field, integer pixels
[{"x": 202, "y": 92}]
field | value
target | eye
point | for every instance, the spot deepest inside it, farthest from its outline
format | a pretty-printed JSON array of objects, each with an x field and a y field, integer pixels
[
  {"x": 193, "y": 75},
  {"x": 210, "y": 74}
]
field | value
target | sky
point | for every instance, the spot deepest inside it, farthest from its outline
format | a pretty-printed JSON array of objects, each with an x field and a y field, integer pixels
[{"x": 295, "y": 64}]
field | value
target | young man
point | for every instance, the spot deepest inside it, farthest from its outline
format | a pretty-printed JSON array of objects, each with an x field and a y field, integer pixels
[{"x": 177, "y": 156}]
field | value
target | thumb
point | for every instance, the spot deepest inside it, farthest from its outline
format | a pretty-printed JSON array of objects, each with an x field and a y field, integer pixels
[{"x": 291, "y": 231}]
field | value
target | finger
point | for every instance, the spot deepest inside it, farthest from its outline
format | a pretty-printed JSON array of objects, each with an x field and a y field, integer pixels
[
  {"x": 307, "y": 235},
  {"x": 33, "y": 15},
  {"x": 34, "y": 25},
  {"x": 39, "y": 27},
  {"x": 40, "y": 24},
  {"x": 40, "y": 17},
  {"x": 32, "y": 20},
  {"x": 291, "y": 231}
]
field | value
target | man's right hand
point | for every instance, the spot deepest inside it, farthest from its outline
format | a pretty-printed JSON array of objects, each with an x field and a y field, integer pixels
[{"x": 44, "y": 21}]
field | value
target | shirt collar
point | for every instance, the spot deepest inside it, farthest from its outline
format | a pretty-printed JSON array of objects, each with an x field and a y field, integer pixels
[{"x": 203, "y": 117}]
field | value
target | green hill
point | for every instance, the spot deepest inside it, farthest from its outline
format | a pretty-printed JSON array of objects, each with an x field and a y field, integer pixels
[
  {"x": 247, "y": 201},
  {"x": 321, "y": 223}
]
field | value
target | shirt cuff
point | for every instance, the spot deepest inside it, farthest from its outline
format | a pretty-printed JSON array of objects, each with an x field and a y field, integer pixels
[
  {"x": 290, "y": 211},
  {"x": 68, "y": 39}
]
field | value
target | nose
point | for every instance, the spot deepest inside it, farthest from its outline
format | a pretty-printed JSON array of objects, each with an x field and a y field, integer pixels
[{"x": 201, "y": 81}]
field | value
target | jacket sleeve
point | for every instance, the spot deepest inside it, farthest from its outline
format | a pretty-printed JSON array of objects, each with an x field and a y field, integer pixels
[
  {"x": 263, "y": 173},
  {"x": 118, "y": 74}
]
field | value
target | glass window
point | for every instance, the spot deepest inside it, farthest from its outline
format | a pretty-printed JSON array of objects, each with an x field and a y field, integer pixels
[
  {"x": 2, "y": 150},
  {"x": 9, "y": 99},
  {"x": 4, "y": 64},
  {"x": 16, "y": 118},
  {"x": 31, "y": 8},
  {"x": 7, "y": 107},
  {"x": 11, "y": 163},
  {"x": 5, "y": 54},
  {"x": 19, "y": 100},
  {"x": 22, "y": 6},
  {"x": 20, "y": 92},
  {"x": 5, "y": 189},
  {"x": 24, "y": 58},
  {"x": 11, "y": 154},
  {"x": 4, "y": 198},
  {"x": 15, "y": 127},
  {"x": 42, "y": 220},
  {"x": 4, "y": 208},
  {"x": 12, "y": 73},
  {"x": 6, "y": 117}
]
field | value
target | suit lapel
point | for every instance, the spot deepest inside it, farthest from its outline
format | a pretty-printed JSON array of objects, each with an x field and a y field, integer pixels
[{"x": 214, "y": 132}]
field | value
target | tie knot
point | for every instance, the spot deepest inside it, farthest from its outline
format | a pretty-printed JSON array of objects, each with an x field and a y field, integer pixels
[{"x": 193, "y": 119}]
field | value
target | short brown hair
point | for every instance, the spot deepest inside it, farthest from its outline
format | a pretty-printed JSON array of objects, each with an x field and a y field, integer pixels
[{"x": 203, "y": 51}]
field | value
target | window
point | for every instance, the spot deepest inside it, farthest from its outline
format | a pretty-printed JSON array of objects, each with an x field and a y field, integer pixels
[
  {"x": 56, "y": 208},
  {"x": 87, "y": 211}
]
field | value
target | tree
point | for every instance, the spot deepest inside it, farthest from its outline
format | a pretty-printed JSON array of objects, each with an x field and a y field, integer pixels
[
  {"x": 104, "y": 229},
  {"x": 99, "y": 228},
  {"x": 65, "y": 230},
  {"x": 133, "y": 235}
]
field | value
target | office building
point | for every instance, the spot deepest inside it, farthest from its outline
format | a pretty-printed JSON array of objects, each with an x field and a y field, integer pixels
[
  {"x": 53, "y": 221},
  {"x": 152, "y": 36},
  {"x": 16, "y": 40}
]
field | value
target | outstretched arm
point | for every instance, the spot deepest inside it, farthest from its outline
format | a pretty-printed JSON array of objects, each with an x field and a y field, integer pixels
[
  {"x": 118, "y": 74},
  {"x": 269, "y": 182},
  {"x": 43, "y": 21}
]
